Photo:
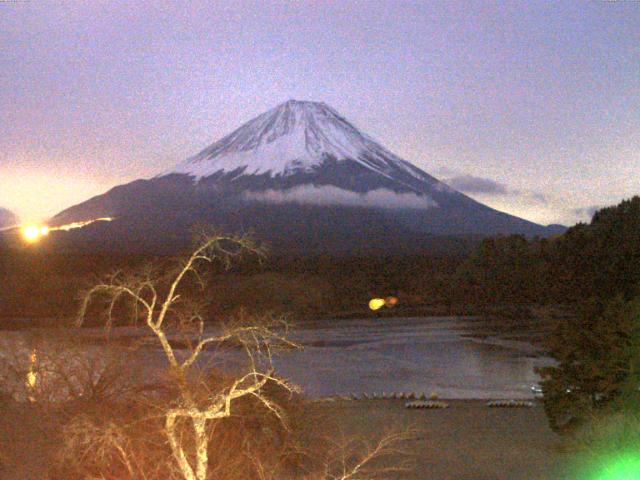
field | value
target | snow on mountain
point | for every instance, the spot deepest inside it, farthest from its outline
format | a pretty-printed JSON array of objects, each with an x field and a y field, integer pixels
[{"x": 294, "y": 137}]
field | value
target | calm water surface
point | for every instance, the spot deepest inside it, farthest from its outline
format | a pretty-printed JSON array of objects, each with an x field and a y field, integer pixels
[{"x": 422, "y": 355}]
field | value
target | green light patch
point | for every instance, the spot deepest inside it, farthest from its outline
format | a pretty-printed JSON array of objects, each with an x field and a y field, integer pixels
[{"x": 626, "y": 467}]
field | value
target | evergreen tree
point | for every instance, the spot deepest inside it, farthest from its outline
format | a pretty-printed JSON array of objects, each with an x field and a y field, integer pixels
[{"x": 597, "y": 353}]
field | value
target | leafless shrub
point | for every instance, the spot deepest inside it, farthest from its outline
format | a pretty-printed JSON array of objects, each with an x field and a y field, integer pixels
[
  {"x": 127, "y": 439},
  {"x": 357, "y": 458},
  {"x": 56, "y": 366},
  {"x": 118, "y": 441}
]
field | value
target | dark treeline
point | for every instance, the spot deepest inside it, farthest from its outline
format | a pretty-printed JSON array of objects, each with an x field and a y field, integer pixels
[
  {"x": 343, "y": 286},
  {"x": 36, "y": 283},
  {"x": 596, "y": 267},
  {"x": 596, "y": 260}
]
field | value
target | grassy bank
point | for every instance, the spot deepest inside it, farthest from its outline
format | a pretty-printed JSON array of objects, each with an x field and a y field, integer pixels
[{"x": 467, "y": 441}]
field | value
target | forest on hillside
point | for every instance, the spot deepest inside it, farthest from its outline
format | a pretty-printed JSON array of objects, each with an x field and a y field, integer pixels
[{"x": 595, "y": 260}]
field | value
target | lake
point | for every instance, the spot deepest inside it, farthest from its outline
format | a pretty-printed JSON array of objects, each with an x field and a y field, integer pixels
[{"x": 423, "y": 355}]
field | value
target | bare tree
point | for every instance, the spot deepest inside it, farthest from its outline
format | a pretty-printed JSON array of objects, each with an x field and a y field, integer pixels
[{"x": 161, "y": 301}]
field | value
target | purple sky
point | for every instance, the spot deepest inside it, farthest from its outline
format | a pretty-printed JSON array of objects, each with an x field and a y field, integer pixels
[{"x": 533, "y": 108}]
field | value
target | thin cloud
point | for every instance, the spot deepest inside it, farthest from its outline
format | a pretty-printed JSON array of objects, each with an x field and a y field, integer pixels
[
  {"x": 472, "y": 184},
  {"x": 330, "y": 195},
  {"x": 529, "y": 204},
  {"x": 587, "y": 212},
  {"x": 444, "y": 172},
  {"x": 485, "y": 186},
  {"x": 538, "y": 197}
]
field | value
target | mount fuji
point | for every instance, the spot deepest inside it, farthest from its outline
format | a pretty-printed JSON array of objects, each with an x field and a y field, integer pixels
[{"x": 302, "y": 178}]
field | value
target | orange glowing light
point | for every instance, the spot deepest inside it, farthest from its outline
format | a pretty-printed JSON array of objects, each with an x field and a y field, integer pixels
[
  {"x": 31, "y": 233},
  {"x": 391, "y": 301},
  {"x": 376, "y": 303}
]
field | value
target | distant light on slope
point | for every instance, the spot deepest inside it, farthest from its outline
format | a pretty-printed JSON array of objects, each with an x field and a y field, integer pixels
[
  {"x": 71, "y": 226},
  {"x": 391, "y": 301},
  {"x": 33, "y": 233}
]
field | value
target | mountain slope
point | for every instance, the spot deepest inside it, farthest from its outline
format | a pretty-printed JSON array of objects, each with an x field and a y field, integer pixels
[
  {"x": 7, "y": 218},
  {"x": 302, "y": 177}
]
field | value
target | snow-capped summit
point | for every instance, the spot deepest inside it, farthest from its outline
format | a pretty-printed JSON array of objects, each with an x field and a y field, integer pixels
[{"x": 294, "y": 137}]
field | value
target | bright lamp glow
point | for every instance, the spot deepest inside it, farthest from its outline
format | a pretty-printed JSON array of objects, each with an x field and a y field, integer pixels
[
  {"x": 31, "y": 233},
  {"x": 376, "y": 303}
]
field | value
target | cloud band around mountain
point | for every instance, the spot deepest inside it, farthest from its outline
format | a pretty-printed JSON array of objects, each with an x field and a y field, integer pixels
[{"x": 331, "y": 195}]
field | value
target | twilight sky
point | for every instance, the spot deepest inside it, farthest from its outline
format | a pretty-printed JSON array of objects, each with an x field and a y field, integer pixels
[{"x": 532, "y": 108}]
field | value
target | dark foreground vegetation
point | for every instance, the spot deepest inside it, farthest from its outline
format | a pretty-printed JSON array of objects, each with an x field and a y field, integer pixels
[
  {"x": 467, "y": 440},
  {"x": 102, "y": 418}
]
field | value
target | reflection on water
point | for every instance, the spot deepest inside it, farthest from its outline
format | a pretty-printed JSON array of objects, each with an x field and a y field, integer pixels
[{"x": 430, "y": 355}]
